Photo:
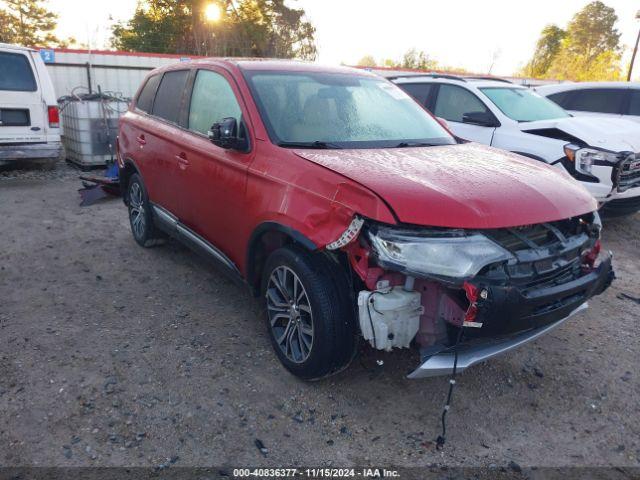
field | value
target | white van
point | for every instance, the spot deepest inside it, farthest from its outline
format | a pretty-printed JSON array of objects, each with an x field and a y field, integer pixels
[{"x": 29, "y": 115}]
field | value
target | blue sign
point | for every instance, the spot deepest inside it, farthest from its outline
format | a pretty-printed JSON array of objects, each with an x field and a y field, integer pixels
[
  {"x": 184, "y": 59},
  {"x": 48, "y": 55}
]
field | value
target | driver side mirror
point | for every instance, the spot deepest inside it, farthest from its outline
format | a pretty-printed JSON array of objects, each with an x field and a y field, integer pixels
[
  {"x": 224, "y": 134},
  {"x": 483, "y": 119},
  {"x": 444, "y": 123}
]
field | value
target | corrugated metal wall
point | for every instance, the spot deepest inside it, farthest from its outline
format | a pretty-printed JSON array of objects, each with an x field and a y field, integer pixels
[{"x": 113, "y": 71}]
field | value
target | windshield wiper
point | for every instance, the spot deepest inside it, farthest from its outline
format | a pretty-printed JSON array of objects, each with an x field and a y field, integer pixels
[
  {"x": 416, "y": 144},
  {"x": 317, "y": 144}
]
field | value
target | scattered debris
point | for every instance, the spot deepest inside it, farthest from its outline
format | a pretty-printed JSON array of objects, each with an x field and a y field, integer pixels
[
  {"x": 624, "y": 296},
  {"x": 263, "y": 450},
  {"x": 98, "y": 187},
  {"x": 515, "y": 467},
  {"x": 66, "y": 451}
]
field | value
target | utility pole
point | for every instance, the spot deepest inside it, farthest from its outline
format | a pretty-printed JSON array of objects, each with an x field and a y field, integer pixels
[{"x": 635, "y": 50}]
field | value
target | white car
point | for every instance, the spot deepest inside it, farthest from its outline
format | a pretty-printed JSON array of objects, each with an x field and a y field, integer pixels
[
  {"x": 602, "y": 153},
  {"x": 29, "y": 115},
  {"x": 610, "y": 99}
]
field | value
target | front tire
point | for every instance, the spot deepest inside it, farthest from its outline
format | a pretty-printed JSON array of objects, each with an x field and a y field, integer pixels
[
  {"x": 309, "y": 313},
  {"x": 140, "y": 216}
]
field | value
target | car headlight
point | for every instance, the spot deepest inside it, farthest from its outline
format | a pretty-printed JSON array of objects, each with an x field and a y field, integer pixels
[
  {"x": 585, "y": 158},
  {"x": 461, "y": 256}
]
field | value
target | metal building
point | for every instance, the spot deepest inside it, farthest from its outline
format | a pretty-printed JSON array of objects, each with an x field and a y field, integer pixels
[{"x": 113, "y": 71}]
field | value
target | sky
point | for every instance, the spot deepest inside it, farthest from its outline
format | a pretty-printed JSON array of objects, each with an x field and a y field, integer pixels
[{"x": 456, "y": 33}]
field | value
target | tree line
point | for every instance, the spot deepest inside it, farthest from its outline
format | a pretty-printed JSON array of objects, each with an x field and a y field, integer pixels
[
  {"x": 243, "y": 28},
  {"x": 587, "y": 49}
]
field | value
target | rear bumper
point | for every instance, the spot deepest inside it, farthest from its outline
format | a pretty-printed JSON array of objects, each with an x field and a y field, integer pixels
[
  {"x": 511, "y": 318},
  {"x": 28, "y": 151}
]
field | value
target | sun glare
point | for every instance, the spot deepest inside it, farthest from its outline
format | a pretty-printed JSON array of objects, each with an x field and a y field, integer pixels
[{"x": 212, "y": 12}]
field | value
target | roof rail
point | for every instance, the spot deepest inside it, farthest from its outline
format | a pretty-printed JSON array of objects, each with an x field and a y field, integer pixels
[
  {"x": 487, "y": 77},
  {"x": 430, "y": 75}
]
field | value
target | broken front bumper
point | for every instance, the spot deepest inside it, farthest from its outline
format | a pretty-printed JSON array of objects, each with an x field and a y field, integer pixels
[
  {"x": 571, "y": 300},
  {"x": 468, "y": 355}
]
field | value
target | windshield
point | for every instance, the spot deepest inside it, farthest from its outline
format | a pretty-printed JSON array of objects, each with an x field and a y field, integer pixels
[
  {"x": 523, "y": 105},
  {"x": 328, "y": 110}
]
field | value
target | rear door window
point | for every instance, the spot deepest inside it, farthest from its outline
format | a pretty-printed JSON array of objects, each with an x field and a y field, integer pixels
[
  {"x": 211, "y": 101},
  {"x": 601, "y": 100},
  {"x": 169, "y": 96},
  {"x": 453, "y": 102},
  {"x": 16, "y": 74},
  {"x": 634, "y": 104},
  {"x": 419, "y": 91},
  {"x": 145, "y": 99}
]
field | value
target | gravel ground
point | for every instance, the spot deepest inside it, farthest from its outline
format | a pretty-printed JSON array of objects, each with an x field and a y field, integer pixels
[{"x": 114, "y": 355}]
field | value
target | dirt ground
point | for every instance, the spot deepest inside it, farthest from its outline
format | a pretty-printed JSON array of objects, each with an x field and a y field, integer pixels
[{"x": 115, "y": 355}]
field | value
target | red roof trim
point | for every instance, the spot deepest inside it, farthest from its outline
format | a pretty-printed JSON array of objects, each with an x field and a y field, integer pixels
[{"x": 122, "y": 53}]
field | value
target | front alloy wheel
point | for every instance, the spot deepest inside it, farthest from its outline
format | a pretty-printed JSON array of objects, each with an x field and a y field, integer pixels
[
  {"x": 309, "y": 312},
  {"x": 290, "y": 314}
]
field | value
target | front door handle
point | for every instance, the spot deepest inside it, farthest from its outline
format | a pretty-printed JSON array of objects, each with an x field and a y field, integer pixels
[
  {"x": 183, "y": 163},
  {"x": 141, "y": 140}
]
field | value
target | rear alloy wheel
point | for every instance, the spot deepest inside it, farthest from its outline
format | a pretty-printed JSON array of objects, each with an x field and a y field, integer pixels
[
  {"x": 309, "y": 312},
  {"x": 140, "y": 217}
]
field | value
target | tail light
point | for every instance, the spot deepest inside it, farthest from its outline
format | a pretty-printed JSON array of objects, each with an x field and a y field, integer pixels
[{"x": 54, "y": 116}]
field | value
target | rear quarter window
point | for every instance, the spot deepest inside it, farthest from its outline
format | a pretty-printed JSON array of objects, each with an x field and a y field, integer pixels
[
  {"x": 16, "y": 74},
  {"x": 419, "y": 91},
  {"x": 168, "y": 100},
  {"x": 561, "y": 98},
  {"x": 145, "y": 99}
]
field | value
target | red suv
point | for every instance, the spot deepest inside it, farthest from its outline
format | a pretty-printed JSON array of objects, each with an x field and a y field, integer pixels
[{"x": 353, "y": 213}]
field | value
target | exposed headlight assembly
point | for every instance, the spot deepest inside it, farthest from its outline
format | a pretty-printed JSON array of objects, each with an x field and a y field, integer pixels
[
  {"x": 585, "y": 158},
  {"x": 461, "y": 256}
]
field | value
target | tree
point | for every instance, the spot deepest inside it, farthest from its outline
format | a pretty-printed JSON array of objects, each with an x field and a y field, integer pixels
[
  {"x": 580, "y": 68},
  {"x": 160, "y": 26},
  {"x": 588, "y": 49},
  {"x": 546, "y": 51},
  {"x": 367, "y": 61},
  {"x": 417, "y": 60},
  {"x": 28, "y": 23},
  {"x": 592, "y": 31},
  {"x": 253, "y": 28}
]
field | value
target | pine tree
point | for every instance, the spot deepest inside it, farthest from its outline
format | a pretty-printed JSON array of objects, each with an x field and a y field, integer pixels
[{"x": 28, "y": 23}]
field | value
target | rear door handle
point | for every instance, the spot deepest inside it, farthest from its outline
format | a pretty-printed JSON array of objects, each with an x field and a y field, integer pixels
[
  {"x": 141, "y": 140},
  {"x": 183, "y": 163}
]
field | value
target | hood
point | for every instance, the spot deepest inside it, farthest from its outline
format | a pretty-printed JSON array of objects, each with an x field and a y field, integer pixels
[
  {"x": 461, "y": 186},
  {"x": 614, "y": 134}
]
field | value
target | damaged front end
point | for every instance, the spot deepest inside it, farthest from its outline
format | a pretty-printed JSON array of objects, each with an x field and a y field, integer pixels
[{"x": 502, "y": 287}]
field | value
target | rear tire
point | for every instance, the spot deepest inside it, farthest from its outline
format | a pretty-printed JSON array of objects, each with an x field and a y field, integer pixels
[
  {"x": 310, "y": 315},
  {"x": 144, "y": 231}
]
